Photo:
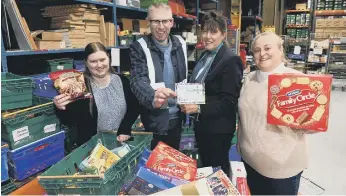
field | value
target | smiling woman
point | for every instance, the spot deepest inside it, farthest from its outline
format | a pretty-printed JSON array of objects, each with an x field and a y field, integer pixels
[
  {"x": 112, "y": 106},
  {"x": 221, "y": 71}
]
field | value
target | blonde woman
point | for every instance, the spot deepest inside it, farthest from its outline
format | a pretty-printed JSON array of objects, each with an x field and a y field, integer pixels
[{"x": 274, "y": 156}]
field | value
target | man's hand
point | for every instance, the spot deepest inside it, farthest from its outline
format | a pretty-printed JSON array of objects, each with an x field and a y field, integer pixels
[
  {"x": 162, "y": 95},
  {"x": 189, "y": 108}
]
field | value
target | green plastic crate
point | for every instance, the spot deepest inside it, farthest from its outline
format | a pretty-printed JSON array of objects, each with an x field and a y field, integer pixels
[
  {"x": 16, "y": 91},
  {"x": 8, "y": 188},
  {"x": 30, "y": 126},
  {"x": 59, "y": 64},
  {"x": 59, "y": 178}
]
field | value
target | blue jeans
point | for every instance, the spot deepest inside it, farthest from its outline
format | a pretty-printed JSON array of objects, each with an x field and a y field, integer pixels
[{"x": 261, "y": 185}]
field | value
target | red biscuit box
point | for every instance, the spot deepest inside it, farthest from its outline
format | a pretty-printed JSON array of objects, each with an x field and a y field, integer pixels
[
  {"x": 166, "y": 160},
  {"x": 299, "y": 101},
  {"x": 242, "y": 186}
]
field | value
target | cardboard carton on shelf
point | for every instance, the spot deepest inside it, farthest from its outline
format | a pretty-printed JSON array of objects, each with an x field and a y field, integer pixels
[
  {"x": 43, "y": 44},
  {"x": 320, "y": 23},
  {"x": 329, "y": 23},
  {"x": 319, "y": 33},
  {"x": 337, "y": 22},
  {"x": 301, "y": 6}
]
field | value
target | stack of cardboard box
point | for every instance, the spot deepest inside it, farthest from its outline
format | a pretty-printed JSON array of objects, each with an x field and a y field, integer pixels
[
  {"x": 334, "y": 28},
  {"x": 79, "y": 25}
]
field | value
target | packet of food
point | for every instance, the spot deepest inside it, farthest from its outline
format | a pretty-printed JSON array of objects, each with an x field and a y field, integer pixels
[
  {"x": 122, "y": 150},
  {"x": 70, "y": 82},
  {"x": 100, "y": 160}
]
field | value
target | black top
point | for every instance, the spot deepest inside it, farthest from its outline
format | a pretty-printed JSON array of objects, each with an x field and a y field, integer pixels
[
  {"x": 222, "y": 89},
  {"x": 83, "y": 114}
]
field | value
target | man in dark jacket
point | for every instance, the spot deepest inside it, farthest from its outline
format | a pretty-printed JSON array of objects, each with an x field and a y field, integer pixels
[{"x": 158, "y": 62}]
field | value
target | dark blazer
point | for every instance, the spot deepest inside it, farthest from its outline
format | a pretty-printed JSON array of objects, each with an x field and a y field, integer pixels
[
  {"x": 222, "y": 89},
  {"x": 154, "y": 120},
  {"x": 83, "y": 114}
]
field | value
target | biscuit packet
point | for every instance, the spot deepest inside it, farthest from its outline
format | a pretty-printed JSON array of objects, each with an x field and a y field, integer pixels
[
  {"x": 299, "y": 101},
  {"x": 168, "y": 161},
  {"x": 70, "y": 82},
  {"x": 99, "y": 161}
]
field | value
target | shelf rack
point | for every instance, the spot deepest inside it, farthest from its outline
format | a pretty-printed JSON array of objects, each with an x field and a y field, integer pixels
[{"x": 114, "y": 8}]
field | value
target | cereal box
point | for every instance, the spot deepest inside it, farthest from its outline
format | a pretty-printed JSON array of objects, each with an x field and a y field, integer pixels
[
  {"x": 216, "y": 184},
  {"x": 299, "y": 101},
  {"x": 166, "y": 160},
  {"x": 206, "y": 171}
]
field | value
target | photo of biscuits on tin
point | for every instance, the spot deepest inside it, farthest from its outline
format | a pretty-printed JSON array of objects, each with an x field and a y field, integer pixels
[
  {"x": 316, "y": 85},
  {"x": 322, "y": 99}
]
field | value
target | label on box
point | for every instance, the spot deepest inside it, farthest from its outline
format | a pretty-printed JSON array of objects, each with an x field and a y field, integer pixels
[
  {"x": 49, "y": 128},
  {"x": 190, "y": 93},
  {"x": 297, "y": 49},
  {"x": 20, "y": 133},
  {"x": 318, "y": 50},
  {"x": 339, "y": 63},
  {"x": 60, "y": 67},
  {"x": 299, "y": 101}
]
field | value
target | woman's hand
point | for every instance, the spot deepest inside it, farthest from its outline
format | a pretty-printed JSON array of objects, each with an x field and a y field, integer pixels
[
  {"x": 189, "y": 108},
  {"x": 123, "y": 138},
  {"x": 62, "y": 100}
]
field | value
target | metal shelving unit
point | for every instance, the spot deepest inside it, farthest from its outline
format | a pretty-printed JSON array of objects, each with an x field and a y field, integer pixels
[{"x": 114, "y": 8}]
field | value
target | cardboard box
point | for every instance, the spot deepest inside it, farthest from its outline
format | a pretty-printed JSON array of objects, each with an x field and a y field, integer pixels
[
  {"x": 237, "y": 170},
  {"x": 328, "y": 23},
  {"x": 320, "y": 23},
  {"x": 343, "y": 33},
  {"x": 343, "y": 22},
  {"x": 169, "y": 161},
  {"x": 337, "y": 22},
  {"x": 327, "y": 33},
  {"x": 335, "y": 33},
  {"x": 41, "y": 45},
  {"x": 216, "y": 184},
  {"x": 47, "y": 36},
  {"x": 301, "y": 6},
  {"x": 299, "y": 101},
  {"x": 206, "y": 171}
]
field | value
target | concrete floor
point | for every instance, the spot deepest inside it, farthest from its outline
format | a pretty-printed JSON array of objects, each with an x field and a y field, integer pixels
[{"x": 327, "y": 151}]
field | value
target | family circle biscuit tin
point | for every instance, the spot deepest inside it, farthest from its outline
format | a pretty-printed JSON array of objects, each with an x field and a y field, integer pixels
[{"x": 299, "y": 101}]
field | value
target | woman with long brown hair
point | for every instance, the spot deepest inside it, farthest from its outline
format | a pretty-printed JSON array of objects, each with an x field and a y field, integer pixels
[{"x": 112, "y": 106}]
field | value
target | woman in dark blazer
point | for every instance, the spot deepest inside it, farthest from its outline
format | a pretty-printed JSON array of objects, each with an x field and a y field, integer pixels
[
  {"x": 221, "y": 71},
  {"x": 112, "y": 106}
]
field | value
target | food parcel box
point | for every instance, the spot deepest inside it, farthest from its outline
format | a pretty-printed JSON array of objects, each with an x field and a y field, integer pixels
[{"x": 299, "y": 101}]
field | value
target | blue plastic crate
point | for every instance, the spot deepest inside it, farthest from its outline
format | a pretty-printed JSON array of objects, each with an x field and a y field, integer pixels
[
  {"x": 37, "y": 156},
  {"x": 44, "y": 86},
  {"x": 79, "y": 65},
  {"x": 4, "y": 166}
]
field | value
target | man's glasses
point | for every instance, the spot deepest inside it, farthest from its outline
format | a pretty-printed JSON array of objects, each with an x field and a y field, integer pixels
[{"x": 164, "y": 22}]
